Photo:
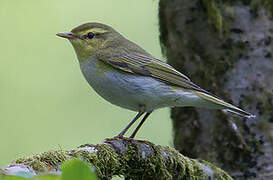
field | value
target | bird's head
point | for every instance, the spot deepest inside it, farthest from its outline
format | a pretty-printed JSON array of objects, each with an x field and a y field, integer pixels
[{"x": 89, "y": 37}]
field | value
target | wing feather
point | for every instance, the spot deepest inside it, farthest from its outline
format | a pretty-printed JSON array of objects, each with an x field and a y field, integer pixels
[
  {"x": 144, "y": 64},
  {"x": 147, "y": 65}
]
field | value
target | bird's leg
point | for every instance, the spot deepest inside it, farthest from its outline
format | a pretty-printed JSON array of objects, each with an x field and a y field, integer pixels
[
  {"x": 140, "y": 124},
  {"x": 130, "y": 124}
]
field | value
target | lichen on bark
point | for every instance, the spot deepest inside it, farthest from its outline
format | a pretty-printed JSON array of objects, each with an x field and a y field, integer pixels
[{"x": 237, "y": 66}]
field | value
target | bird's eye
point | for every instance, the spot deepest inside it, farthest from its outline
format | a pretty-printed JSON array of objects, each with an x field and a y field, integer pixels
[{"x": 90, "y": 35}]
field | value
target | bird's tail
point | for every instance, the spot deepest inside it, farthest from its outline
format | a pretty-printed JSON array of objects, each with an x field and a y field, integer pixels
[{"x": 224, "y": 105}]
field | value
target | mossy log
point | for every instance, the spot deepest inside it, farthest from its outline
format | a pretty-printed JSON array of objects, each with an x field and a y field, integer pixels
[{"x": 133, "y": 159}]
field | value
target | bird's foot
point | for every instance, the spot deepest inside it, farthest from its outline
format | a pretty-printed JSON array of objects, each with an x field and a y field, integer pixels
[
  {"x": 114, "y": 138},
  {"x": 118, "y": 137}
]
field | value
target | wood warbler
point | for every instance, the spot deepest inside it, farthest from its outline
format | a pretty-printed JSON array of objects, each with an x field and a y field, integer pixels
[{"x": 126, "y": 75}]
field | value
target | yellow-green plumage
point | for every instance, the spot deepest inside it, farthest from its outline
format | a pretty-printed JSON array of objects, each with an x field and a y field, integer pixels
[{"x": 128, "y": 68}]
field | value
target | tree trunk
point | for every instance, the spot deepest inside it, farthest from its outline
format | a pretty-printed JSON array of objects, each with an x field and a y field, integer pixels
[{"x": 226, "y": 48}]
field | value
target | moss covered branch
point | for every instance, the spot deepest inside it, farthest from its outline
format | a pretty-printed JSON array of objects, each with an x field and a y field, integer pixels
[{"x": 130, "y": 158}]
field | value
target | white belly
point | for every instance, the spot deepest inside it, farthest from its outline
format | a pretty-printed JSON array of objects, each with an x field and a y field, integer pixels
[{"x": 135, "y": 92}]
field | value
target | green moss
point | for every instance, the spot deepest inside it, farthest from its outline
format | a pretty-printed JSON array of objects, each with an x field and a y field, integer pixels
[
  {"x": 269, "y": 5},
  {"x": 264, "y": 103},
  {"x": 214, "y": 15},
  {"x": 105, "y": 160},
  {"x": 188, "y": 168},
  {"x": 44, "y": 161},
  {"x": 107, "y": 156},
  {"x": 162, "y": 27},
  {"x": 218, "y": 173},
  {"x": 256, "y": 4},
  {"x": 154, "y": 162}
]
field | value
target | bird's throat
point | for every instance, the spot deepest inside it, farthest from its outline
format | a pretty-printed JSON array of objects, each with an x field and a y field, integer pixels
[{"x": 83, "y": 52}]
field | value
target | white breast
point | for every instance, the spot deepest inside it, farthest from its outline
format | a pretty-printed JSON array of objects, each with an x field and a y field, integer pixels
[{"x": 133, "y": 91}]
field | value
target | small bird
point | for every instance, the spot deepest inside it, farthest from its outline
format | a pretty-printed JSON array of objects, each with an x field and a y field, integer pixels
[{"x": 126, "y": 75}]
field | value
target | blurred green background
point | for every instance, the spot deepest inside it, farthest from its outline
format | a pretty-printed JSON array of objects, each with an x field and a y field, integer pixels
[{"x": 45, "y": 103}]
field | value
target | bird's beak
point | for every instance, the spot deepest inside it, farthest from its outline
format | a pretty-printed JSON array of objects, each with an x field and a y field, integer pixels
[{"x": 66, "y": 35}]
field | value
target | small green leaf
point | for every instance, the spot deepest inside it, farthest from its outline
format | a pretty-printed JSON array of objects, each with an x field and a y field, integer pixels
[
  {"x": 77, "y": 169},
  {"x": 11, "y": 177},
  {"x": 46, "y": 177},
  {"x": 74, "y": 169}
]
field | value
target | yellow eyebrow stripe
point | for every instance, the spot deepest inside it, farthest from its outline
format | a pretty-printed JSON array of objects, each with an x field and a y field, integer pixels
[
  {"x": 98, "y": 30},
  {"x": 93, "y": 30}
]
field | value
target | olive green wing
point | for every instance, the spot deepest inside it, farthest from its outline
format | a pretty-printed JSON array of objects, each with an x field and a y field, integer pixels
[{"x": 147, "y": 65}]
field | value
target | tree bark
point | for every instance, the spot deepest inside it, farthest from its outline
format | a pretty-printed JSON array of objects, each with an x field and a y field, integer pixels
[
  {"x": 226, "y": 48},
  {"x": 130, "y": 158}
]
